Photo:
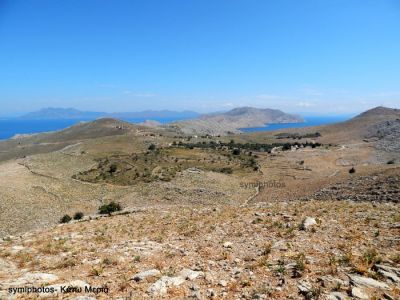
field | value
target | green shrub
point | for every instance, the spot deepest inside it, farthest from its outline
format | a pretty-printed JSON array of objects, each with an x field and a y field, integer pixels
[
  {"x": 113, "y": 168},
  {"x": 236, "y": 151},
  {"x": 152, "y": 147},
  {"x": 65, "y": 219},
  {"x": 109, "y": 208},
  {"x": 78, "y": 215}
]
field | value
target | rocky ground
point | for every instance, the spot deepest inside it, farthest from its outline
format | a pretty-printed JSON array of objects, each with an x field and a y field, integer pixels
[
  {"x": 287, "y": 250},
  {"x": 388, "y": 135},
  {"x": 373, "y": 188}
]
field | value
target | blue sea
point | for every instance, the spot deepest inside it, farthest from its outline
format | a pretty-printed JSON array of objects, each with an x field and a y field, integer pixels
[
  {"x": 309, "y": 121},
  {"x": 10, "y": 127}
]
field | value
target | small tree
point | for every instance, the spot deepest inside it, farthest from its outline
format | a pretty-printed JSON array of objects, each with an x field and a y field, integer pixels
[
  {"x": 152, "y": 147},
  {"x": 352, "y": 170},
  {"x": 236, "y": 151},
  {"x": 113, "y": 168},
  {"x": 78, "y": 215},
  {"x": 65, "y": 219}
]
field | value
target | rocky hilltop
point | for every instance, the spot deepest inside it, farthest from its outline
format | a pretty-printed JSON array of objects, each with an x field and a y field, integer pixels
[{"x": 231, "y": 121}]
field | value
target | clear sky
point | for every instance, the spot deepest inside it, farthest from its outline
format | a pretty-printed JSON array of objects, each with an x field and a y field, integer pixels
[{"x": 315, "y": 56}]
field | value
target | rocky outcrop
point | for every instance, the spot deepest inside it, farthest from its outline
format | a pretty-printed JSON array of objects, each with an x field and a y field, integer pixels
[
  {"x": 380, "y": 188},
  {"x": 387, "y": 134}
]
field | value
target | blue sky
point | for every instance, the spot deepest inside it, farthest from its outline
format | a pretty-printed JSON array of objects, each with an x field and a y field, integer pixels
[{"x": 313, "y": 56}]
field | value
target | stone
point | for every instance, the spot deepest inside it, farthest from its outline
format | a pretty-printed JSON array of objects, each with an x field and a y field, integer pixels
[
  {"x": 359, "y": 293},
  {"x": 309, "y": 222},
  {"x": 228, "y": 245},
  {"x": 337, "y": 296},
  {"x": 391, "y": 273},
  {"x": 280, "y": 245},
  {"x": 391, "y": 276},
  {"x": 196, "y": 295},
  {"x": 223, "y": 283},
  {"x": 211, "y": 293},
  {"x": 190, "y": 274},
  {"x": 304, "y": 287},
  {"x": 367, "y": 282},
  {"x": 160, "y": 287},
  {"x": 145, "y": 274}
]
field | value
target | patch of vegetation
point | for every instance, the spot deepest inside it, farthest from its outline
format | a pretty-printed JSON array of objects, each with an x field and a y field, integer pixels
[
  {"x": 242, "y": 147},
  {"x": 297, "y": 135},
  {"x": 371, "y": 257},
  {"x": 78, "y": 215},
  {"x": 65, "y": 219},
  {"x": 110, "y": 208},
  {"x": 302, "y": 226},
  {"x": 300, "y": 265},
  {"x": 352, "y": 170},
  {"x": 162, "y": 164},
  {"x": 113, "y": 168},
  {"x": 236, "y": 151}
]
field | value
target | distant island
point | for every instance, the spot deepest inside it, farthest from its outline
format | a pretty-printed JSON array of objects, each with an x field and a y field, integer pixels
[
  {"x": 52, "y": 113},
  {"x": 232, "y": 121}
]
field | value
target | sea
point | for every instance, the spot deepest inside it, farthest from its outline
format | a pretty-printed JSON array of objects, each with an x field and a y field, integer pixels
[
  {"x": 309, "y": 121},
  {"x": 11, "y": 127}
]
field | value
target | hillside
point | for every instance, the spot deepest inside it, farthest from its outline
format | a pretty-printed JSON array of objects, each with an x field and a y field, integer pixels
[
  {"x": 358, "y": 128},
  {"x": 24, "y": 145},
  {"x": 231, "y": 121},
  {"x": 249, "y": 216}
]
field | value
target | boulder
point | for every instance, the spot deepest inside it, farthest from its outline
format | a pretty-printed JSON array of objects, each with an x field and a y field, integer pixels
[
  {"x": 228, "y": 245},
  {"x": 160, "y": 287},
  {"x": 367, "y": 282},
  {"x": 390, "y": 273},
  {"x": 337, "y": 296},
  {"x": 145, "y": 274},
  {"x": 359, "y": 293},
  {"x": 309, "y": 222},
  {"x": 190, "y": 274}
]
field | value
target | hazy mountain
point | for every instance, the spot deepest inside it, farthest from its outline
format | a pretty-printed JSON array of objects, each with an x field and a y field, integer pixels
[
  {"x": 71, "y": 113},
  {"x": 61, "y": 113}
]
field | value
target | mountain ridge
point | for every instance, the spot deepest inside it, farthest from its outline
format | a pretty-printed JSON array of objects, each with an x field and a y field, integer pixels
[{"x": 51, "y": 113}]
